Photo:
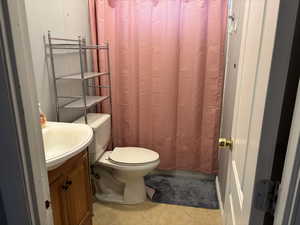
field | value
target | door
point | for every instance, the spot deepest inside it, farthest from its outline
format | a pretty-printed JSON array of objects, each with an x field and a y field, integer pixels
[
  {"x": 58, "y": 201},
  {"x": 79, "y": 193},
  {"x": 252, "y": 69},
  {"x": 234, "y": 34}
]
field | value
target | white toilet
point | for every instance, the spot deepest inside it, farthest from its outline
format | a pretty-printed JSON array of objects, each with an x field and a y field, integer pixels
[{"x": 120, "y": 173}]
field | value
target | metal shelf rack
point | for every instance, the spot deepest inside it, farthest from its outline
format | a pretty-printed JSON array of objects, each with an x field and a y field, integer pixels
[{"x": 83, "y": 102}]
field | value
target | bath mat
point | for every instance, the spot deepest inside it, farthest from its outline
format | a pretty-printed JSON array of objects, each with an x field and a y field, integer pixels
[{"x": 181, "y": 190}]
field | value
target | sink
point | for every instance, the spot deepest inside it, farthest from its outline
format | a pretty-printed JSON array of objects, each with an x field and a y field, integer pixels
[{"x": 64, "y": 140}]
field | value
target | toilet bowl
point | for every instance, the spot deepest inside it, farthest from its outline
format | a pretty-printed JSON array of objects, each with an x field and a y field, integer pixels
[{"x": 119, "y": 174}]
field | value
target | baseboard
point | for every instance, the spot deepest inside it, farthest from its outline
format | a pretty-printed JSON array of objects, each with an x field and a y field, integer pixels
[{"x": 220, "y": 199}]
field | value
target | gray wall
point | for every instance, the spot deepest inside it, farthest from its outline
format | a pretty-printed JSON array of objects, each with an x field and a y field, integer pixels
[{"x": 64, "y": 18}]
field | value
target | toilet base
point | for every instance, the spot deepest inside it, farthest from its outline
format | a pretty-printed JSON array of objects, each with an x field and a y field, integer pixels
[
  {"x": 115, "y": 186},
  {"x": 104, "y": 197},
  {"x": 122, "y": 184},
  {"x": 134, "y": 190},
  {"x": 134, "y": 193}
]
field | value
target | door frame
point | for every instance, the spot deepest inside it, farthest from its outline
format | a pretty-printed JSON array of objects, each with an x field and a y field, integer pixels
[
  {"x": 24, "y": 150},
  {"x": 288, "y": 206},
  {"x": 275, "y": 97},
  {"x": 15, "y": 199}
]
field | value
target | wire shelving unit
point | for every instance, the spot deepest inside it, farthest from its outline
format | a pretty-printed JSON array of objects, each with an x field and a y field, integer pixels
[{"x": 83, "y": 102}]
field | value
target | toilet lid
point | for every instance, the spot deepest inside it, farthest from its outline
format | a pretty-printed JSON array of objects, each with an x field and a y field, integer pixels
[{"x": 133, "y": 155}]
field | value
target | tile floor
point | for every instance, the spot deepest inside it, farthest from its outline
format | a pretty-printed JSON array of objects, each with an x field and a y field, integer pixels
[{"x": 149, "y": 213}]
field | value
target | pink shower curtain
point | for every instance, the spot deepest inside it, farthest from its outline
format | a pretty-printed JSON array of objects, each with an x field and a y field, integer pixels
[{"x": 167, "y": 60}]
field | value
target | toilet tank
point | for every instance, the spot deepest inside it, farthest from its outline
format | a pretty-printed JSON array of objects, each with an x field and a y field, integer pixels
[{"x": 101, "y": 125}]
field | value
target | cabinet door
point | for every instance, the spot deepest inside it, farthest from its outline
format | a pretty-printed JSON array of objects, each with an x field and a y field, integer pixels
[
  {"x": 58, "y": 201},
  {"x": 79, "y": 193}
]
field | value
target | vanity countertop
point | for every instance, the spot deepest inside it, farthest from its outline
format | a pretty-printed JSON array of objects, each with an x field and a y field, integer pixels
[{"x": 64, "y": 140}]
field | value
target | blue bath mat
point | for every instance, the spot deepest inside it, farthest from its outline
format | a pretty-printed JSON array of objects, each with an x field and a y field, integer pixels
[{"x": 180, "y": 190}]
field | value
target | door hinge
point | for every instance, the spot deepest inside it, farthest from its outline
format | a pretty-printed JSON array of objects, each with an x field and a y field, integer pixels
[{"x": 265, "y": 197}]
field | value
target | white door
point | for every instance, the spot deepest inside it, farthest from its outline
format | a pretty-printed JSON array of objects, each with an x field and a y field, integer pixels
[
  {"x": 254, "y": 62},
  {"x": 234, "y": 34}
]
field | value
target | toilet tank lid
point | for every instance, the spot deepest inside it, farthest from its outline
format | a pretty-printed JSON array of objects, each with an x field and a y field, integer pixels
[{"x": 133, "y": 155}]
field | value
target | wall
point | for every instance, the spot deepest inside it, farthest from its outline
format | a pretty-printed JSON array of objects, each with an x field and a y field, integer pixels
[{"x": 64, "y": 18}]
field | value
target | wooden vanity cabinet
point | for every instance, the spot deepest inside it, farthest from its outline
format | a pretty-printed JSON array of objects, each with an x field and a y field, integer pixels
[{"x": 70, "y": 192}]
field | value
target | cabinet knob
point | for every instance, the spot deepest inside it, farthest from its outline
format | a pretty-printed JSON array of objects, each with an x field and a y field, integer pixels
[{"x": 65, "y": 187}]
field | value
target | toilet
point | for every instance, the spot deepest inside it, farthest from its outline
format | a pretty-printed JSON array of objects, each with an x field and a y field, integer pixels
[{"x": 118, "y": 174}]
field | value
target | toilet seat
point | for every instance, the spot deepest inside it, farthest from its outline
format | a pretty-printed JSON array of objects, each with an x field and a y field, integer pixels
[
  {"x": 133, "y": 156},
  {"x": 105, "y": 161},
  {"x": 129, "y": 158}
]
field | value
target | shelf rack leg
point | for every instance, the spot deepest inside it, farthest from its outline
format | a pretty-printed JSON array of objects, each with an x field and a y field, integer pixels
[
  {"x": 53, "y": 76},
  {"x": 85, "y": 65},
  {"x": 83, "y": 86},
  {"x": 110, "y": 94}
]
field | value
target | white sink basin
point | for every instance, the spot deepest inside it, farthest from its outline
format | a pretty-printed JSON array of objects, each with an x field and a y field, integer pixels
[{"x": 64, "y": 140}]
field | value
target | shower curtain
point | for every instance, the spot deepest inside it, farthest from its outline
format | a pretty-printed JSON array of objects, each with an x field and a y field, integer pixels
[{"x": 167, "y": 61}]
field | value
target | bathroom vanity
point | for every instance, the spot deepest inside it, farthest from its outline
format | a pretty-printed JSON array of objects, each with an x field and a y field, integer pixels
[
  {"x": 67, "y": 161},
  {"x": 70, "y": 191}
]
